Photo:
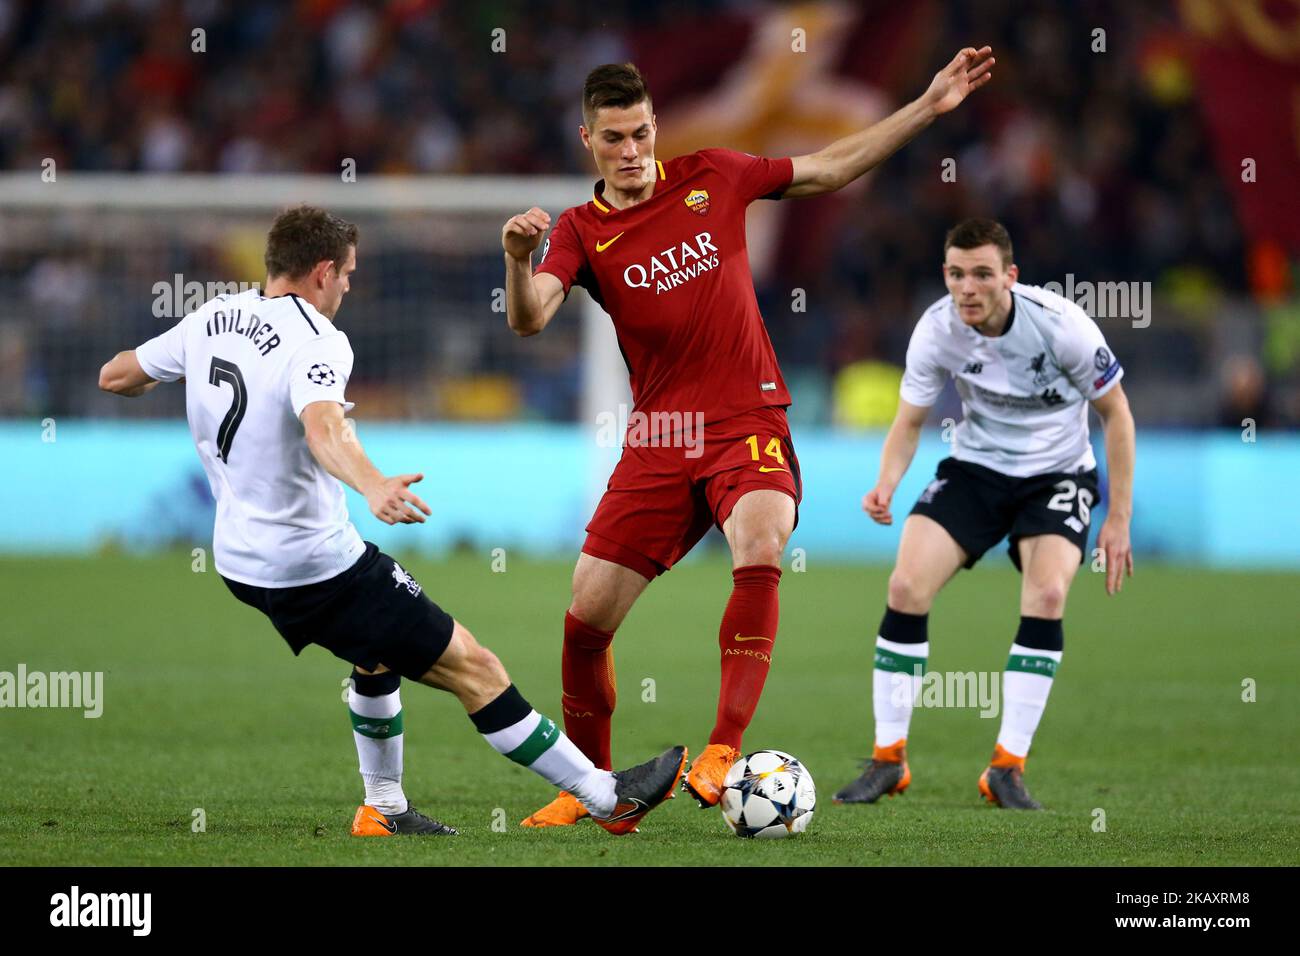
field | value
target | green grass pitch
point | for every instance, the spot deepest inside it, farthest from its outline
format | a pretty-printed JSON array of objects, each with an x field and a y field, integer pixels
[{"x": 204, "y": 707}]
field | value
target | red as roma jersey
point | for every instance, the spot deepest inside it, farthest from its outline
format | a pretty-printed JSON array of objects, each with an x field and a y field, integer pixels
[{"x": 673, "y": 274}]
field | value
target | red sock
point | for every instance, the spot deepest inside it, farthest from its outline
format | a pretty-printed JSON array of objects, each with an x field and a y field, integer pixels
[
  {"x": 746, "y": 639},
  {"x": 589, "y": 690}
]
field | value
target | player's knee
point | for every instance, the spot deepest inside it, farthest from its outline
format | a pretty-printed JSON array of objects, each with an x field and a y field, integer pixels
[
  {"x": 760, "y": 548},
  {"x": 594, "y": 606},
  {"x": 907, "y": 593},
  {"x": 1047, "y": 599},
  {"x": 490, "y": 667},
  {"x": 473, "y": 668},
  {"x": 473, "y": 657},
  {"x": 769, "y": 550},
  {"x": 484, "y": 673}
]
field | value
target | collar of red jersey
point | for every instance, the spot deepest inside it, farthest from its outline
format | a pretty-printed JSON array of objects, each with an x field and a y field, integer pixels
[{"x": 600, "y": 187}]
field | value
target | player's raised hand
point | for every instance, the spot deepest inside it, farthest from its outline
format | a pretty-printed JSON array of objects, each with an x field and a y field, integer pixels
[
  {"x": 1113, "y": 540},
  {"x": 393, "y": 502},
  {"x": 876, "y": 503},
  {"x": 523, "y": 233},
  {"x": 969, "y": 70}
]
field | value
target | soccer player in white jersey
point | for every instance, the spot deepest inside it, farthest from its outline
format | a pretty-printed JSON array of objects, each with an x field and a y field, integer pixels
[
  {"x": 1027, "y": 364},
  {"x": 264, "y": 377}
]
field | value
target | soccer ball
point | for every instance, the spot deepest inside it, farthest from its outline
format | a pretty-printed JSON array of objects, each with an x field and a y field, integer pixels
[{"x": 768, "y": 794}]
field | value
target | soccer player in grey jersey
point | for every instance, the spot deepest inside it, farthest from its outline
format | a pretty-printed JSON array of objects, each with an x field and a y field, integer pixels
[{"x": 1027, "y": 364}]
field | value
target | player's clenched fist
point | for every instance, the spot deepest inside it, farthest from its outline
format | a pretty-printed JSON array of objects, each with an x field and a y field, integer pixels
[
  {"x": 876, "y": 503},
  {"x": 523, "y": 233},
  {"x": 392, "y": 502}
]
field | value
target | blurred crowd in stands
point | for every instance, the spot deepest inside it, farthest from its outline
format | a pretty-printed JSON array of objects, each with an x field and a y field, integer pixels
[{"x": 1098, "y": 163}]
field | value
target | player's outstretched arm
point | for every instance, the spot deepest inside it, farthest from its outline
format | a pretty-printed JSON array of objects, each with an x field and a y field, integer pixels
[
  {"x": 531, "y": 300},
  {"x": 124, "y": 376},
  {"x": 846, "y": 159},
  {"x": 900, "y": 447},
  {"x": 334, "y": 444},
  {"x": 1121, "y": 450}
]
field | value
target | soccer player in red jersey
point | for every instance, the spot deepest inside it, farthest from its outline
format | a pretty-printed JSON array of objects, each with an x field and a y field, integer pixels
[{"x": 661, "y": 246}]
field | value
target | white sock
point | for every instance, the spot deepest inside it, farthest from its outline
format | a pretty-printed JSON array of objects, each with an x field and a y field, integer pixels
[
  {"x": 1026, "y": 682},
  {"x": 895, "y": 681},
  {"x": 377, "y": 730},
  {"x": 536, "y": 743}
]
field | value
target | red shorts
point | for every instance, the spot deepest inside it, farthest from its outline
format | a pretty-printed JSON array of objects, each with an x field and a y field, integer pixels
[{"x": 661, "y": 500}]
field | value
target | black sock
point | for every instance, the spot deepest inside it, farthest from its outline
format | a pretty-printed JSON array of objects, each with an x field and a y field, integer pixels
[
  {"x": 904, "y": 628},
  {"x": 1041, "y": 634},
  {"x": 506, "y": 710}
]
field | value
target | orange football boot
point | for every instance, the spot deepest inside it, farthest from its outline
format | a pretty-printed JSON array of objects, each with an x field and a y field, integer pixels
[
  {"x": 369, "y": 822},
  {"x": 708, "y": 773},
  {"x": 1003, "y": 782},
  {"x": 640, "y": 789},
  {"x": 886, "y": 773},
  {"x": 563, "y": 811}
]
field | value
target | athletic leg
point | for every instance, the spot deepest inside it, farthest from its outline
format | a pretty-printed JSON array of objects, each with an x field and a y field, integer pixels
[
  {"x": 603, "y": 593},
  {"x": 512, "y": 728},
  {"x": 928, "y": 557},
  {"x": 757, "y": 531},
  {"x": 375, "y": 706},
  {"x": 376, "y": 711},
  {"x": 1049, "y": 563}
]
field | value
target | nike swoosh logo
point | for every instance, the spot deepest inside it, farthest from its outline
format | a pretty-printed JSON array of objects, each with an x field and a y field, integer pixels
[
  {"x": 740, "y": 639},
  {"x": 386, "y": 824},
  {"x": 602, "y": 246},
  {"x": 765, "y": 469},
  {"x": 638, "y": 806}
]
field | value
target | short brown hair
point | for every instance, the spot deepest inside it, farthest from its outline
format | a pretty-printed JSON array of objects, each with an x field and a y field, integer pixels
[
  {"x": 303, "y": 236},
  {"x": 614, "y": 84},
  {"x": 973, "y": 233}
]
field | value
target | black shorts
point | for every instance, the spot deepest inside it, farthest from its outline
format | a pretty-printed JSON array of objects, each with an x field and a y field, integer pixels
[
  {"x": 373, "y": 613},
  {"x": 978, "y": 506}
]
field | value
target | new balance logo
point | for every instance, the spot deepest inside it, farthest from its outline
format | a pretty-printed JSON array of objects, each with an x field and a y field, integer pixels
[
  {"x": 932, "y": 489},
  {"x": 973, "y": 368}
]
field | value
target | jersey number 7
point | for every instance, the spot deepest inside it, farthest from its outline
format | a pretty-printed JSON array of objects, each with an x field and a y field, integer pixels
[{"x": 223, "y": 371}]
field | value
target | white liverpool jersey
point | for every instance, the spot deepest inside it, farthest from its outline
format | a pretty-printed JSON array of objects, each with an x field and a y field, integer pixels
[
  {"x": 1024, "y": 393},
  {"x": 251, "y": 365}
]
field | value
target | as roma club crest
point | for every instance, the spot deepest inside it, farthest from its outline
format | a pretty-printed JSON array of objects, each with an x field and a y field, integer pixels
[{"x": 697, "y": 201}]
